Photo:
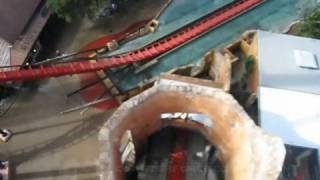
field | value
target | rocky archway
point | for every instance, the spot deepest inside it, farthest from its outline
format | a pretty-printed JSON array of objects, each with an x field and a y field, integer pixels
[{"x": 245, "y": 150}]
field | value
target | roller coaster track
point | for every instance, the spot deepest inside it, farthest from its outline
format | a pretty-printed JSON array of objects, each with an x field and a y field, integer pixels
[{"x": 176, "y": 40}]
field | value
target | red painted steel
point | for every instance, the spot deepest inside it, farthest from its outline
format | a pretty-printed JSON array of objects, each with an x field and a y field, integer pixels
[
  {"x": 178, "y": 158},
  {"x": 149, "y": 52}
]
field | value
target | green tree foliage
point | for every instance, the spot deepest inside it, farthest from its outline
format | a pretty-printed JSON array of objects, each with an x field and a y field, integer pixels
[
  {"x": 71, "y": 9},
  {"x": 310, "y": 27}
]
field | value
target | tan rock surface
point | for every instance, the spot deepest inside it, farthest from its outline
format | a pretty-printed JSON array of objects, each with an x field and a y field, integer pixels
[{"x": 245, "y": 150}]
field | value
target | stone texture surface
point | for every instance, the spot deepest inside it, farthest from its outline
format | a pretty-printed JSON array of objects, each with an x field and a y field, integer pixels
[{"x": 246, "y": 151}]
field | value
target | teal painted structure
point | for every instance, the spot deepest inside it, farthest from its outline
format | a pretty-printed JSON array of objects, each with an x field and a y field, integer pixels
[
  {"x": 273, "y": 15},
  {"x": 177, "y": 15}
]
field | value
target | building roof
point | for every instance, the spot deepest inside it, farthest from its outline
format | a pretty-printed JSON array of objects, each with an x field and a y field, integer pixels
[
  {"x": 289, "y": 62},
  {"x": 14, "y": 16},
  {"x": 289, "y": 92},
  {"x": 293, "y": 116}
]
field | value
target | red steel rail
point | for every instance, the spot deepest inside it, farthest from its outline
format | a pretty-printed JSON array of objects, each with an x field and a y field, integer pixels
[{"x": 149, "y": 52}]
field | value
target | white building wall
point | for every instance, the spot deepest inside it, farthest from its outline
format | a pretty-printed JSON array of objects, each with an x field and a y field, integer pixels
[{"x": 291, "y": 115}]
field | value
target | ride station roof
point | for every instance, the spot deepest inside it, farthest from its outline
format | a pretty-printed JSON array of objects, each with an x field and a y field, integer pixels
[{"x": 289, "y": 92}]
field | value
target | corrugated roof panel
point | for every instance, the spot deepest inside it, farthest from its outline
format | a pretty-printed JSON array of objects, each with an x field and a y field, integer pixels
[{"x": 4, "y": 53}]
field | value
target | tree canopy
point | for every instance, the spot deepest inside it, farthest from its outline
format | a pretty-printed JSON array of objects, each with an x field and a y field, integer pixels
[
  {"x": 310, "y": 27},
  {"x": 71, "y": 9}
]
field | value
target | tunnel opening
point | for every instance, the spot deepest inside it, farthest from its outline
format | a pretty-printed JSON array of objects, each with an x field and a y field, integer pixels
[{"x": 179, "y": 154}]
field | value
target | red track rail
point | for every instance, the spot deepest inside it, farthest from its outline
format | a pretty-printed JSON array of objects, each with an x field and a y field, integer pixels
[{"x": 149, "y": 52}]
